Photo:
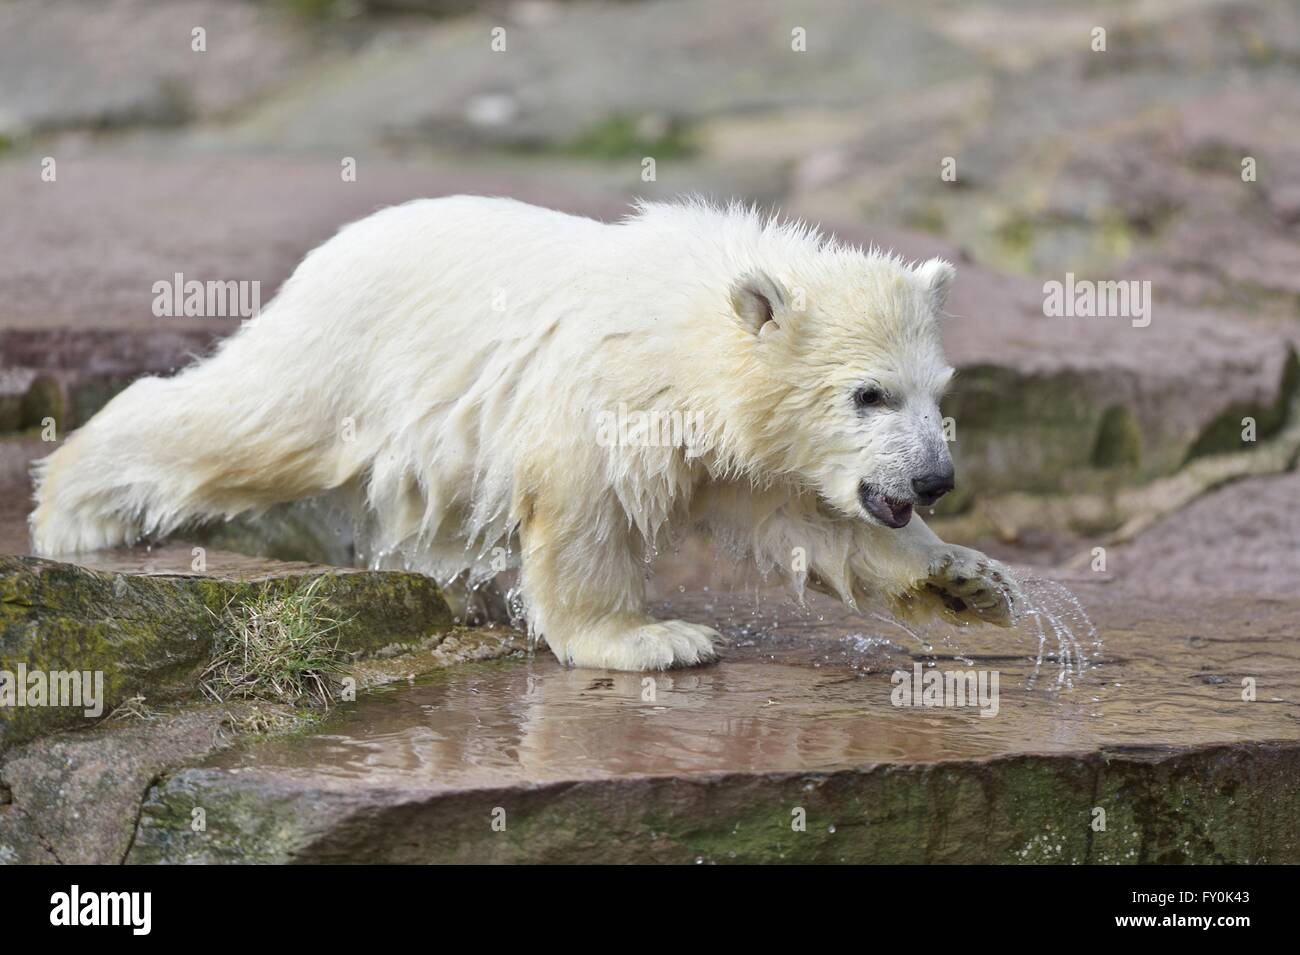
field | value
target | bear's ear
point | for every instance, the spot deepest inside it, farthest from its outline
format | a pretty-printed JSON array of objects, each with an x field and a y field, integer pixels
[
  {"x": 759, "y": 302},
  {"x": 936, "y": 275}
]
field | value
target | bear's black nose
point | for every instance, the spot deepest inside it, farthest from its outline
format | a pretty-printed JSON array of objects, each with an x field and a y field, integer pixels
[{"x": 930, "y": 487}]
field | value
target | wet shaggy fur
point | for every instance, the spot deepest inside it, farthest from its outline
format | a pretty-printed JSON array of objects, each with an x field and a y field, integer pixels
[{"x": 446, "y": 366}]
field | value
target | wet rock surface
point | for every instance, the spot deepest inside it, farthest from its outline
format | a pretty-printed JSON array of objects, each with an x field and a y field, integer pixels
[
  {"x": 72, "y": 781},
  {"x": 711, "y": 764},
  {"x": 1025, "y": 809},
  {"x": 80, "y": 793}
]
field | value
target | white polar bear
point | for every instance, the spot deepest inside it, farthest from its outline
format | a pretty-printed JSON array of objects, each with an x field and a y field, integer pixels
[{"x": 453, "y": 365}]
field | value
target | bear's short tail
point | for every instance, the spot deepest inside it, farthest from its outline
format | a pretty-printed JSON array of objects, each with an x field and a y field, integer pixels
[{"x": 168, "y": 452}]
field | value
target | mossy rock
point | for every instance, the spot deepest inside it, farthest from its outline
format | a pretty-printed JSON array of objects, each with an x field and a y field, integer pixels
[
  {"x": 27, "y": 399},
  {"x": 153, "y": 635},
  {"x": 90, "y": 395},
  {"x": 1022, "y": 432},
  {"x": 1209, "y": 805},
  {"x": 1224, "y": 433},
  {"x": 1119, "y": 440},
  {"x": 1077, "y": 432}
]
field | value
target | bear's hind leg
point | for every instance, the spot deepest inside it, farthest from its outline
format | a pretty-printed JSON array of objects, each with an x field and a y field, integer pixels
[
  {"x": 585, "y": 592},
  {"x": 167, "y": 452}
]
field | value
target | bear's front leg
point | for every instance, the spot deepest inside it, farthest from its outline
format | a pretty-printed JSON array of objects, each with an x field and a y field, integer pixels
[
  {"x": 635, "y": 642},
  {"x": 584, "y": 586},
  {"x": 953, "y": 580}
]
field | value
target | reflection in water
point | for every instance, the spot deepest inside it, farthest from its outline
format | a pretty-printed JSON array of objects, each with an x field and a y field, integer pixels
[{"x": 799, "y": 697}]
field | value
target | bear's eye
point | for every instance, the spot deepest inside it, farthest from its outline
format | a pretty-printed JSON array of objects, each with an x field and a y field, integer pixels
[{"x": 868, "y": 396}]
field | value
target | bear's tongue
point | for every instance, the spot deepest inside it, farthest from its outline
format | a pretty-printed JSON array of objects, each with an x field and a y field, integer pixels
[{"x": 885, "y": 509}]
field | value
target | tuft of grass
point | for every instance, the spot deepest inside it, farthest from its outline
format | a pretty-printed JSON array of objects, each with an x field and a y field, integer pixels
[
  {"x": 279, "y": 647},
  {"x": 133, "y": 708}
]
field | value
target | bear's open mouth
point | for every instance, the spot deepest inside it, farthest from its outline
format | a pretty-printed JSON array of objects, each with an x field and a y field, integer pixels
[{"x": 889, "y": 511}]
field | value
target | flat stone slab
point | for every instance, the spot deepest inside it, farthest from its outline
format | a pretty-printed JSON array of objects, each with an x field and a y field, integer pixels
[
  {"x": 72, "y": 780},
  {"x": 715, "y": 764},
  {"x": 57, "y": 72},
  {"x": 75, "y": 798},
  {"x": 1177, "y": 725},
  {"x": 145, "y": 627}
]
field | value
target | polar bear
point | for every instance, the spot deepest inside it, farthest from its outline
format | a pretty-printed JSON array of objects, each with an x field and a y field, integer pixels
[{"x": 451, "y": 365}]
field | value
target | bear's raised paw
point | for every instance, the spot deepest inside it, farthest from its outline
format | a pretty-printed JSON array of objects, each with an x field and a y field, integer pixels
[{"x": 968, "y": 582}]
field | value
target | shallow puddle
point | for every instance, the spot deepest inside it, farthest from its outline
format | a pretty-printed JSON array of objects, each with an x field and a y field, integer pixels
[{"x": 812, "y": 690}]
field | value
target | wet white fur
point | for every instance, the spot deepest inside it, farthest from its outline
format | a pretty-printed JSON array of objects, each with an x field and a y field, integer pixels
[{"x": 444, "y": 363}]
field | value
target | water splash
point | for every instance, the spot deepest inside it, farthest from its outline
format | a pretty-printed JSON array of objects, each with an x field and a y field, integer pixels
[
  {"x": 1052, "y": 625},
  {"x": 1051, "y": 610},
  {"x": 925, "y": 646}
]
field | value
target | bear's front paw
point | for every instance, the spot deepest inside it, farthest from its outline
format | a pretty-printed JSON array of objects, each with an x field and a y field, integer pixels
[
  {"x": 970, "y": 583},
  {"x": 648, "y": 645}
]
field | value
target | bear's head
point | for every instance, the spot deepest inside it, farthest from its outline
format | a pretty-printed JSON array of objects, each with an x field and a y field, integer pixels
[{"x": 850, "y": 371}]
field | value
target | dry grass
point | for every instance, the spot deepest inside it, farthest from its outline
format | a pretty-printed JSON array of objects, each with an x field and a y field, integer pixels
[
  {"x": 278, "y": 647},
  {"x": 133, "y": 708},
  {"x": 259, "y": 722}
]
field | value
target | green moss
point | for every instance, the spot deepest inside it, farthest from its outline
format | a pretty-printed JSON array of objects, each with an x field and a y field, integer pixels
[
  {"x": 1214, "y": 156},
  {"x": 44, "y": 399},
  {"x": 154, "y": 635},
  {"x": 1064, "y": 432},
  {"x": 1220, "y": 804},
  {"x": 1119, "y": 439},
  {"x": 313, "y": 9},
  {"x": 1021, "y": 432},
  {"x": 626, "y": 137},
  {"x": 621, "y": 137},
  {"x": 1115, "y": 235},
  {"x": 1030, "y": 240},
  {"x": 1223, "y": 434},
  {"x": 1015, "y": 236},
  {"x": 90, "y": 396},
  {"x": 927, "y": 218}
]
